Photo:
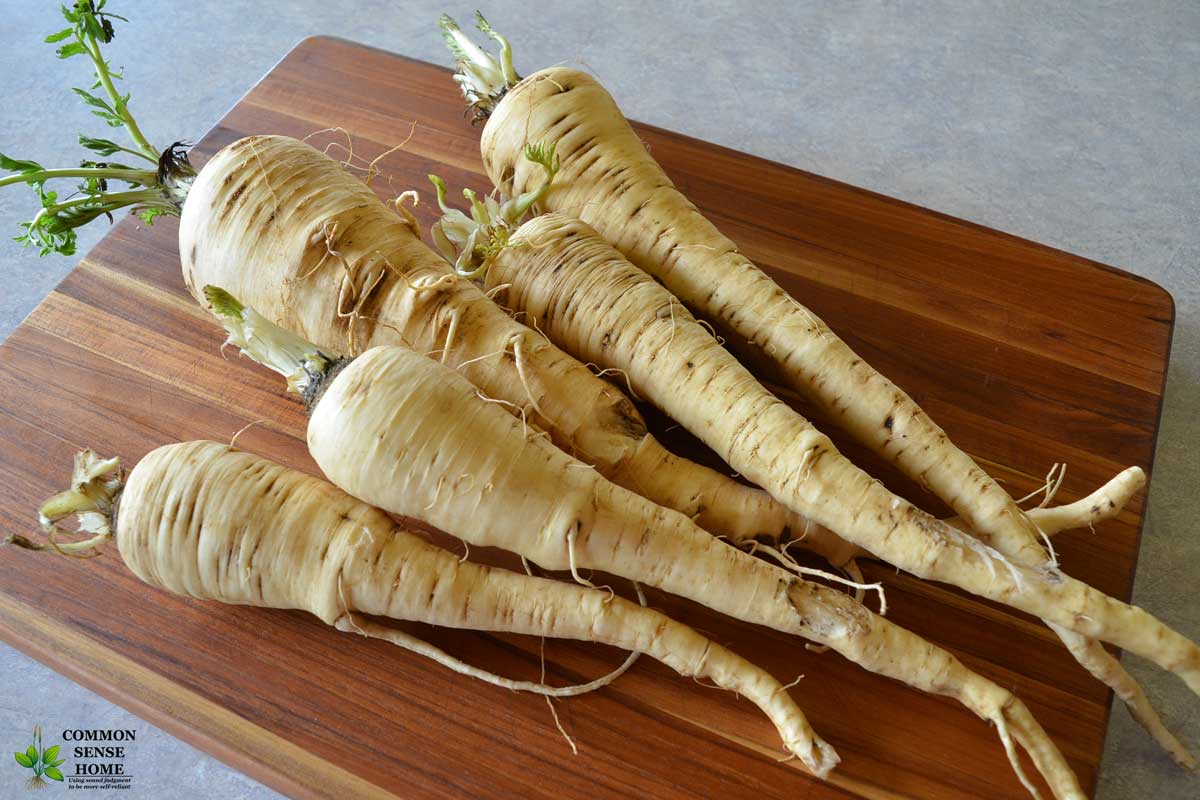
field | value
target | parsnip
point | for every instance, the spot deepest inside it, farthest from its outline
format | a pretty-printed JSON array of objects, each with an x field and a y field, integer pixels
[
  {"x": 594, "y": 303},
  {"x": 312, "y": 246},
  {"x": 283, "y": 225},
  {"x": 202, "y": 520},
  {"x": 413, "y": 437},
  {"x": 609, "y": 180}
]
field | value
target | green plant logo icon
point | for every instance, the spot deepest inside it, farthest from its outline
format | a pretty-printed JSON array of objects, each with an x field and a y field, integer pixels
[{"x": 43, "y": 762}]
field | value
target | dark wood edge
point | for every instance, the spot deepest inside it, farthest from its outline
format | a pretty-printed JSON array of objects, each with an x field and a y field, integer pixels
[
  {"x": 183, "y": 714},
  {"x": 1162, "y": 396},
  {"x": 1141, "y": 523}
]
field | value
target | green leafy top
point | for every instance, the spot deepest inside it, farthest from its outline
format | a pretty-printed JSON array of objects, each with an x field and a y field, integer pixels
[
  {"x": 471, "y": 243},
  {"x": 482, "y": 77},
  {"x": 154, "y": 189},
  {"x": 90, "y": 26}
]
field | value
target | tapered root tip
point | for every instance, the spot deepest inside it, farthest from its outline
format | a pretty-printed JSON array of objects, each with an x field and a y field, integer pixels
[
  {"x": 1015, "y": 719},
  {"x": 1183, "y": 758},
  {"x": 17, "y": 540},
  {"x": 816, "y": 754},
  {"x": 821, "y": 758},
  {"x": 1125, "y": 485}
]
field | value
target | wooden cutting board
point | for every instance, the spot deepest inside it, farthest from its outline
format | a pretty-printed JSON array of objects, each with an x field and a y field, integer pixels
[{"x": 1026, "y": 355}]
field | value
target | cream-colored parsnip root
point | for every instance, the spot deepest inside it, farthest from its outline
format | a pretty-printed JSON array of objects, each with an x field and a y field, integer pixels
[
  {"x": 535, "y": 276},
  {"x": 413, "y": 437},
  {"x": 203, "y": 520},
  {"x": 594, "y": 303},
  {"x": 317, "y": 250},
  {"x": 609, "y": 180},
  {"x": 1103, "y": 504},
  {"x": 314, "y": 249}
]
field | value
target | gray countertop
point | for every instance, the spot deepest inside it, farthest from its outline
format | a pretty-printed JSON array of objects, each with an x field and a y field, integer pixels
[{"x": 1072, "y": 124}]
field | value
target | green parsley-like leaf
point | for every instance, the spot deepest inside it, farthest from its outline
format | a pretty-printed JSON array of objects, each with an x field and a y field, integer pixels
[
  {"x": 104, "y": 147},
  {"x": 18, "y": 165},
  {"x": 148, "y": 215},
  {"x": 48, "y": 237},
  {"x": 102, "y": 109},
  {"x": 71, "y": 49},
  {"x": 94, "y": 101}
]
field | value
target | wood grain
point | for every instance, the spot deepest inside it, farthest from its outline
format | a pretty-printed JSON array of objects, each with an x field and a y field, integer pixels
[{"x": 1026, "y": 355}]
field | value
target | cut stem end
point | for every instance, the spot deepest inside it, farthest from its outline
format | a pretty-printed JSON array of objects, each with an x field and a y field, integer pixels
[
  {"x": 301, "y": 362},
  {"x": 483, "y": 78},
  {"x": 96, "y": 486}
]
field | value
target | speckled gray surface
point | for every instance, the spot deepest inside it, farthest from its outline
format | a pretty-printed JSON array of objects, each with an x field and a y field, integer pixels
[{"x": 1072, "y": 126}]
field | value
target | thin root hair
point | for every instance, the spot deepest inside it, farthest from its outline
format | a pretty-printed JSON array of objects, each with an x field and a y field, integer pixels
[
  {"x": 790, "y": 563},
  {"x": 243, "y": 429},
  {"x": 519, "y": 409},
  {"x": 600, "y": 373},
  {"x": 575, "y": 571}
]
